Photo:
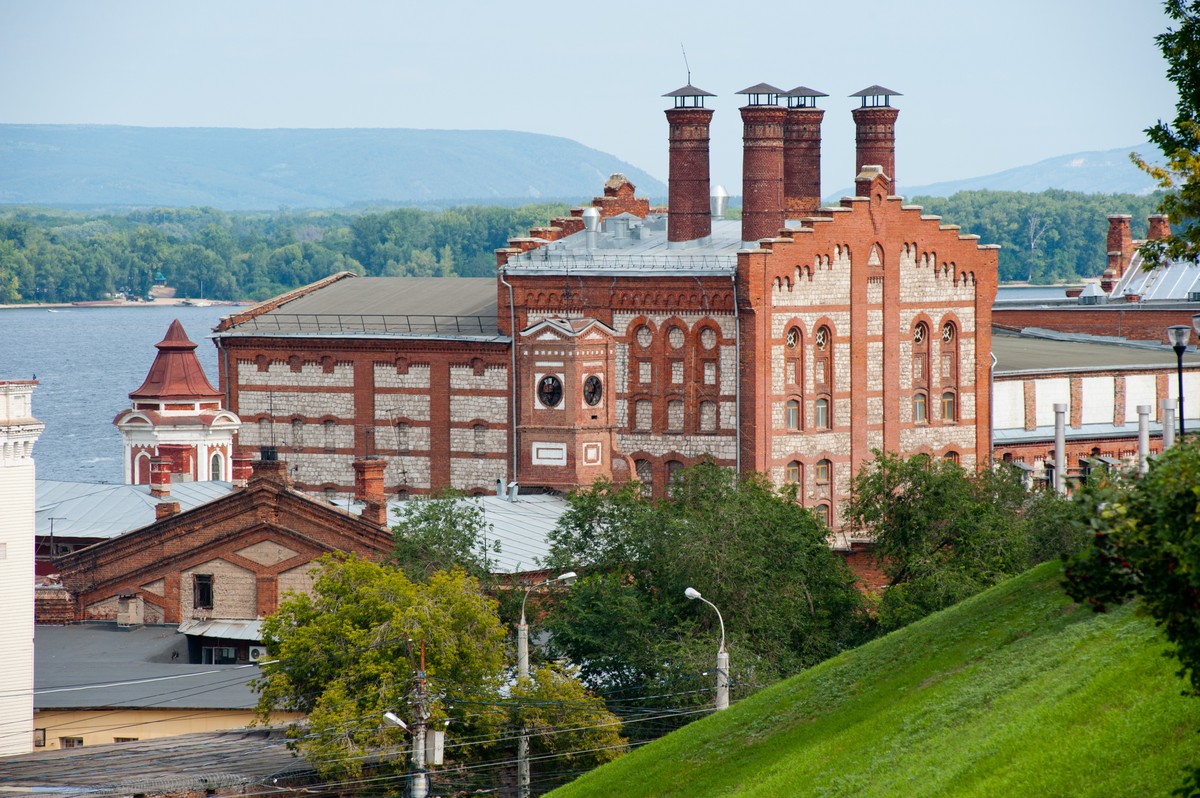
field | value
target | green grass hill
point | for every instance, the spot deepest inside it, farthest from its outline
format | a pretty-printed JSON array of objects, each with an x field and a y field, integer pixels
[{"x": 1015, "y": 692}]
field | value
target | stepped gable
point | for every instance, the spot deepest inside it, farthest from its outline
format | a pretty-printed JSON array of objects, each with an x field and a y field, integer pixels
[{"x": 176, "y": 372}]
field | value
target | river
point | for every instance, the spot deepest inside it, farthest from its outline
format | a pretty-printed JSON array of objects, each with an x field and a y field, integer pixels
[{"x": 87, "y": 361}]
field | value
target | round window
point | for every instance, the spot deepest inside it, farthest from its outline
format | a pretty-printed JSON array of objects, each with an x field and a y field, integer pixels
[
  {"x": 550, "y": 391},
  {"x": 793, "y": 338},
  {"x": 708, "y": 338},
  {"x": 593, "y": 390},
  {"x": 644, "y": 336}
]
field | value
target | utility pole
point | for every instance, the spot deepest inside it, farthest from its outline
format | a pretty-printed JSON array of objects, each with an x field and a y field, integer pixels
[{"x": 420, "y": 779}]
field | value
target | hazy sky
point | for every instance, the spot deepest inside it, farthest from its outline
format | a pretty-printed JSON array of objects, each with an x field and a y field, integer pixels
[{"x": 986, "y": 85}]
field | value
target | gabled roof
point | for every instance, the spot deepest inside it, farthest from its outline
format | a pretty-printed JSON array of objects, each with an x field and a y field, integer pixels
[
  {"x": 176, "y": 373},
  {"x": 102, "y": 510}
]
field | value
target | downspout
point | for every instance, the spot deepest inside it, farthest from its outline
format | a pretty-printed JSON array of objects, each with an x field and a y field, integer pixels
[
  {"x": 512, "y": 347},
  {"x": 737, "y": 389},
  {"x": 991, "y": 452}
]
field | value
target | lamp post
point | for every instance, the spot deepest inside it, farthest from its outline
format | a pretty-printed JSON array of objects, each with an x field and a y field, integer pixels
[
  {"x": 523, "y": 673},
  {"x": 1178, "y": 335},
  {"x": 722, "y": 701}
]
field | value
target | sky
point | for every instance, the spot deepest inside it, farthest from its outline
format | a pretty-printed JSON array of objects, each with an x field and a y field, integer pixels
[{"x": 986, "y": 85}]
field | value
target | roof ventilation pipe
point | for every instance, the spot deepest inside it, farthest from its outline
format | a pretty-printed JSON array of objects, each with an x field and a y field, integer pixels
[
  {"x": 591, "y": 227},
  {"x": 718, "y": 202}
]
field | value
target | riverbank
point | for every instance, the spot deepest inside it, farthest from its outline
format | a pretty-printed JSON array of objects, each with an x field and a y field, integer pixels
[{"x": 158, "y": 302}]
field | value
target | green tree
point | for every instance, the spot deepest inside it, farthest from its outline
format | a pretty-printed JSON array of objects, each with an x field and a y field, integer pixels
[
  {"x": 1179, "y": 141},
  {"x": 940, "y": 533},
  {"x": 352, "y": 650},
  {"x": 440, "y": 531},
  {"x": 787, "y": 599}
]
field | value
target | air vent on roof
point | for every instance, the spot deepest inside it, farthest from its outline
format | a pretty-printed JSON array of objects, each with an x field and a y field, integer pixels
[{"x": 1193, "y": 296}]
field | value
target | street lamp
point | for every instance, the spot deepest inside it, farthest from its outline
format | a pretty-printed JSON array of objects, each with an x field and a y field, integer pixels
[
  {"x": 1178, "y": 335},
  {"x": 722, "y": 701},
  {"x": 523, "y": 673}
]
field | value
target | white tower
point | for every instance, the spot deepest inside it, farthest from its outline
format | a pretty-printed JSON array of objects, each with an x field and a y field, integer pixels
[
  {"x": 18, "y": 432},
  {"x": 177, "y": 417}
]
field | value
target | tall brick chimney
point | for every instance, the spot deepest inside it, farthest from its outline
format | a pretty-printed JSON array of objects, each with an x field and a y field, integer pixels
[
  {"x": 762, "y": 164},
  {"x": 1120, "y": 243},
  {"x": 243, "y": 466},
  {"x": 802, "y": 153},
  {"x": 160, "y": 477},
  {"x": 875, "y": 131},
  {"x": 688, "y": 216},
  {"x": 369, "y": 489},
  {"x": 1160, "y": 228}
]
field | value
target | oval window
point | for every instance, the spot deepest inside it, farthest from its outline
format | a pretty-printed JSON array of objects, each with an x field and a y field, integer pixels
[{"x": 550, "y": 391}]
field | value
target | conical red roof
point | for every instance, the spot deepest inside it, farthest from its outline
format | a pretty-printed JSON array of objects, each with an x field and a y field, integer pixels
[{"x": 176, "y": 373}]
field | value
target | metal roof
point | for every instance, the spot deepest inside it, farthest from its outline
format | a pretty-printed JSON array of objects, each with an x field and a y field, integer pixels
[
  {"x": 189, "y": 763},
  {"x": 226, "y": 629},
  {"x": 804, "y": 91},
  {"x": 102, "y": 510},
  {"x": 104, "y": 665},
  {"x": 388, "y": 306},
  {"x": 1014, "y": 435},
  {"x": 761, "y": 88},
  {"x": 1041, "y": 351},
  {"x": 1174, "y": 281},
  {"x": 876, "y": 91},
  {"x": 522, "y": 527},
  {"x": 689, "y": 91}
]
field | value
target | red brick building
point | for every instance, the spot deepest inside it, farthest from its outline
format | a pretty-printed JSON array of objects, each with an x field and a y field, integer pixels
[{"x": 623, "y": 342}]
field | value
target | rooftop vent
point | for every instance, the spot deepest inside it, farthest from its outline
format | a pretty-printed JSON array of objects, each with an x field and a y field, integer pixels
[{"x": 719, "y": 202}]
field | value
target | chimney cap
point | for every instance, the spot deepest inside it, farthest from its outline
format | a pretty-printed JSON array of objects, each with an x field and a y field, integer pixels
[
  {"x": 874, "y": 93},
  {"x": 758, "y": 90},
  {"x": 689, "y": 91},
  {"x": 803, "y": 97}
]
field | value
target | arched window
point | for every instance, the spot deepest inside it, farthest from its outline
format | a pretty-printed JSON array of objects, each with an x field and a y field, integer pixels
[
  {"x": 792, "y": 473},
  {"x": 297, "y": 433},
  {"x": 920, "y": 357},
  {"x": 645, "y": 475},
  {"x": 403, "y": 442},
  {"x": 823, "y": 359},
  {"x": 141, "y": 469},
  {"x": 952, "y": 457},
  {"x": 822, "y": 414},
  {"x": 823, "y": 472},
  {"x": 479, "y": 436},
  {"x": 949, "y": 407},
  {"x": 330, "y": 430},
  {"x": 215, "y": 470},
  {"x": 920, "y": 408},
  {"x": 642, "y": 414},
  {"x": 949, "y": 350},
  {"x": 673, "y": 469},
  {"x": 793, "y": 414},
  {"x": 675, "y": 415},
  {"x": 822, "y": 513},
  {"x": 793, "y": 362}
]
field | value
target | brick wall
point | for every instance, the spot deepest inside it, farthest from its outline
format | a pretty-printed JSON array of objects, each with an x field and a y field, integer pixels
[{"x": 1133, "y": 321}]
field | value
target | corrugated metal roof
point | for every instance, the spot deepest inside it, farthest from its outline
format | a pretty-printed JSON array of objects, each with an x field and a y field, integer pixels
[
  {"x": 100, "y": 510},
  {"x": 1162, "y": 283},
  {"x": 1046, "y": 350},
  {"x": 93, "y": 665},
  {"x": 223, "y": 628}
]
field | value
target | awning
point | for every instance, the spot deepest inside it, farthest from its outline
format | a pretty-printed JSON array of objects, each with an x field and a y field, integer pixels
[{"x": 228, "y": 629}]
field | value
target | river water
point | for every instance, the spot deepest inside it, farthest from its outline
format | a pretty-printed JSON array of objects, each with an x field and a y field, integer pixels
[{"x": 87, "y": 361}]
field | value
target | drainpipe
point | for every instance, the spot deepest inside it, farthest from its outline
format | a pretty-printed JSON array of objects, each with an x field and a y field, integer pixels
[{"x": 512, "y": 330}]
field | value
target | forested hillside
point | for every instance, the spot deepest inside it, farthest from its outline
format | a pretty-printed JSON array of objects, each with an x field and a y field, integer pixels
[
  {"x": 59, "y": 256},
  {"x": 1053, "y": 236}
]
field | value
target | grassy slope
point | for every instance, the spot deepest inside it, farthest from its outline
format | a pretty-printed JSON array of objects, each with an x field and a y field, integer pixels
[{"x": 1015, "y": 692}]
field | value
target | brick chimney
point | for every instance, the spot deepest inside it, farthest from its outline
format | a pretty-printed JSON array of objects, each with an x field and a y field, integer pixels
[
  {"x": 268, "y": 467},
  {"x": 1120, "y": 243},
  {"x": 165, "y": 510},
  {"x": 875, "y": 131},
  {"x": 368, "y": 488},
  {"x": 762, "y": 164},
  {"x": 802, "y": 153},
  {"x": 243, "y": 466},
  {"x": 1160, "y": 228},
  {"x": 688, "y": 215},
  {"x": 160, "y": 477}
]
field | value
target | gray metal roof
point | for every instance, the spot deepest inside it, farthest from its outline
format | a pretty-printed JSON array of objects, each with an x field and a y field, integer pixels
[
  {"x": 103, "y": 665},
  {"x": 522, "y": 527},
  {"x": 1083, "y": 432},
  {"x": 169, "y": 765},
  {"x": 633, "y": 247},
  {"x": 1041, "y": 351},
  {"x": 387, "y": 306},
  {"x": 222, "y": 628},
  {"x": 805, "y": 91},
  {"x": 101, "y": 510},
  {"x": 1170, "y": 282},
  {"x": 689, "y": 91},
  {"x": 876, "y": 91}
]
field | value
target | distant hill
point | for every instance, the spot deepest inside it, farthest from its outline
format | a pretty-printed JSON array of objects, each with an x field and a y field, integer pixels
[
  {"x": 1015, "y": 692},
  {"x": 240, "y": 169},
  {"x": 1107, "y": 172}
]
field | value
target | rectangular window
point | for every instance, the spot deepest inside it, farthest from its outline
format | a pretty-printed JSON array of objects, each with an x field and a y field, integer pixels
[
  {"x": 202, "y": 591},
  {"x": 710, "y": 373},
  {"x": 125, "y": 739},
  {"x": 644, "y": 372},
  {"x": 39, "y": 738},
  {"x": 218, "y": 655},
  {"x": 70, "y": 742},
  {"x": 677, "y": 372}
]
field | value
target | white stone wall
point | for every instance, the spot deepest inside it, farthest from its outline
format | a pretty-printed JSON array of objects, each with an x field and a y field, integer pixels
[
  {"x": 310, "y": 375},
  {"x": 317, "y": 468},
  {"x": 298, "y": 580},
  {"x": 809, "y": 446},
  {"x": 1191, "y": 392},
  {"x": 476, "y": 472},
  {"x": 1141, "y": 389},
  {"x": 386, "y": 376},
  {"x": 493, "y": 378},
  {"x": 468, "y": 407},
  {"x": 235, "y": 591},
  {"x": 280, "y": 404},
  {"x": 412, "y": 472},
  {"x": 961, "y": 438},
  {"x": 1008, "y": 404},
  {"x": 721, "y": 447},
  {"x": 1047, "y": 393},
  {"x": 1098, "y": 400},
  {"x": 402, "y": 405},
  {"x": 464, "y": 440}
]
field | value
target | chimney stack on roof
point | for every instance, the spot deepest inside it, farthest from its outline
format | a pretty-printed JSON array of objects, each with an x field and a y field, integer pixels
[
  {"x": 369, "y": 489},
  {"x": 802, "y": 153},
  {"x": 1120, "y": 243},
  {"x": 243, "y": 466},
  {"x": 165, "y": 510},
  {"x": 688, "y": 217},
  {"x": 160, "y": 477},
  {"x": 762, "y": 164},
  {"x": 1160, "y": 228},
  {"x": 875, "y": 131}
]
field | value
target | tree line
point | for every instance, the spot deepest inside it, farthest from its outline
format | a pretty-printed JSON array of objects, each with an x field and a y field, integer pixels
[{"x": 49, "y": 255}]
